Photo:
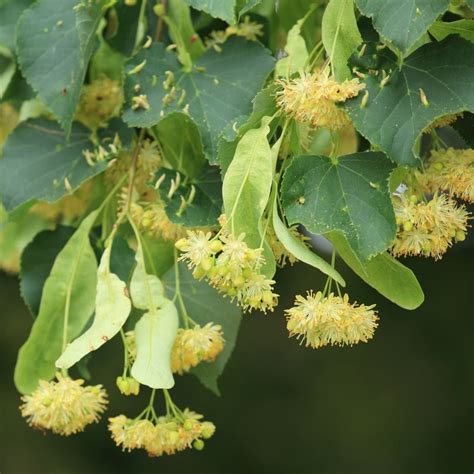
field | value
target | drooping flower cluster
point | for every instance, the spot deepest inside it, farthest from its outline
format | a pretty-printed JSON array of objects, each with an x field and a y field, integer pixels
[
  {"x": 281, "y": 254},
  {"x": 64, "y": 406},
  {"x": 196, "y": 345},
  {"x": 153, "y": 220},
  {"x": 128, "y": 385},
  {"x": 312, "y": 99},
  {"x": 167, "y": 435},
  {"x": 451, "y": 171},
  {"x": 427, "y": 228},
  {"x": 100, "y": 100},
  {"x": 231, "y": 267},
  {"x": 322, "y": 320},
  {"x": 247, "y": 29}
]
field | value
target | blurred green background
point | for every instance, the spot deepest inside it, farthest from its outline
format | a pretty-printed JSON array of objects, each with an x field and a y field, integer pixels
[{"x": 399, "y": 404}]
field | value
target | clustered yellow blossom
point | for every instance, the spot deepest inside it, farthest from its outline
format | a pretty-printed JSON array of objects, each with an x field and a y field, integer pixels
[
  {"x": 196, "y": 345},
  {"x": 231, "y": 267},
  {"x": 427, "y": 228},
  {"x": 149, "y": 156},
  {"x": 312, "y": 99},
  {"x": 167, "y": 435},
  {"x": 321, "y": 320},
  {"x": 451, "y": 171},
  {"x": 100, "y": 100},
  {"x": 64, "y": 406},
  {"x": 128, "y": 386},
  {"x": 247, "y": 29},
  {"x": 153, "y": 220}
]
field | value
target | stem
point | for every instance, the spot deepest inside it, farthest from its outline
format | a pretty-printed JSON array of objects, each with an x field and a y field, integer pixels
[
  {"x": 160, "y": 22},
  {"x": 178, "y": 296},
  {"x": 125, "y": 353}
]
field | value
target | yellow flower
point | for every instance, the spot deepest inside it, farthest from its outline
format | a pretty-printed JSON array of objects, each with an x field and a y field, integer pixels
[
  {"x": 312, "y": 98},
  {"x": 196, "y": 247},
  {"x": 64, "y": 406},
  {"x": 247, "y": 29},
  {"x": 195, "y": 345},
  {"x": 131, "y": 434},
  {"x": 320, "y": 320},
  {"x": 427, "y": 228},
  {"x": 452, "y": 171},
  {"x": 149, "y": 156}
]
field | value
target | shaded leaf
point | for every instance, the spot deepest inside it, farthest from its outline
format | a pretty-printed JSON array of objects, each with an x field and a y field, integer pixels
[
  {"x": 463, "y": 28},
  {"x": 206, "y": 205},
  {"x": 395, "y": 116},
  {"x": 112, "y": 307},
  {"x": 66, "y": 305},
  {"x": 350, "y": 195},
  {"x": 54, "y": 44},
  {"x": 36, "y": 160},
  {"x": 204, "y": 305},
  {"x": 37, "y": 261},
  {"x": 181, "y": 143},
  {"x": 299, "y": 250},
  {"x": 402, "y": 22},
  {"x": 10, "y": 11},
  {"x": 217, "y": 91},
  {"x": 384, "y": 273},
  {"x": 155, "y": 334},
  {"x": 340, "y": 35},
  {"x": 223, "y": 9}
]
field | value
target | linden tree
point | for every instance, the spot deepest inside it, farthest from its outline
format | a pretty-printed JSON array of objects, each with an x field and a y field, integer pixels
[{"x": 162, "y": 159}]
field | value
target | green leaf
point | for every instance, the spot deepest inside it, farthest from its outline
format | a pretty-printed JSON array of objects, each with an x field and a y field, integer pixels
[
  {"x": 223, "y": 9},
  {"x": 247, "y": 184},
  {"x": 297, "y": 53},
  {"x": 204, "y": 305},
  {"x": 217, "y": 91},
  {"x": 206, "y": 205},
  {"x": 402, "y": 22},
  {"x": 463, "y": 28},
  {"x": 54, "y": 43},
  {"x": 159, "y": 255},
  {"x": 122, "y": 259},
  {"x": 67, "y": 303},
  {"x": 395, "y": 116},
  {"x": 351, "y": 195},
  {"x": 37, "y": 159},
  {"x": 146, "y": 290},
  {"x": 37, "y": 261},
  {"x": 181, "y": 144},
  {"x": 112, "y": 307},
  {"x": 384, "y": 273},
  {"x": 10, "y": 11},
  {"x": 155, "y": 334},
  {"x": 299, "y": 250},
  {"x": 340, "y": 35}
]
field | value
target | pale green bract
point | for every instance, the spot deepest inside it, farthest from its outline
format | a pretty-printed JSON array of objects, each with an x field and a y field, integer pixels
[
  {"x": 112, "y": 307},
  {"x": 340, "y": 35},
  {"x": 145, "y": 290},
  {"x": 155, "y": 334},
  {"x": 384, "y": 273},
  {"x": 299, "y": 250},
  {"x": 297, "y": 53},
  {"x": 67, "y": 303}
]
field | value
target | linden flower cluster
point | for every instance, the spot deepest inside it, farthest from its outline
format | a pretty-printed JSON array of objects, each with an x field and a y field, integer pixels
[
  {"x": 321, "y": 320},
  {"x": 153, "y": 220},
  {"x": 247, "y": 29},
  {"x": 452, "y": 171},
  {"x": 168, "y": 435},
  {"x": 312, "y": 99},
  {"x": 231, "y": 267},
  {"x": 64, "y": 406},
  {"x": 427, "y": 228},
  {"x": 100, "y": 100},
  {"x": 196, "y": 345}
]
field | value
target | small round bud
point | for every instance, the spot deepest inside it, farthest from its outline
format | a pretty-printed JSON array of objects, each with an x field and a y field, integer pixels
[
  {"x": 414, "y": 198},
  {"x": 267, "y": 297},
  {"x": 250, "y": 255},
  {"x": 130, "y": 3},
  {"x": 198, "y": 444},
  {"x": 182, "y": 244},
  {"x": 207, "y": 263},
  {"x": 188, "y": 425},
  {"x": 198, "y": 273},
  {"x": 159, "y": 9},
  {"x": 208, "y": 429},
  {"x": 146, "y": 222},
  {"x": 438, "y": 166},
  {"x": 238, "y": 281},
  {"x": 407, "y": 226},
  {"x": 216, "y": 246},
  {"x": 460, "y": 236}
]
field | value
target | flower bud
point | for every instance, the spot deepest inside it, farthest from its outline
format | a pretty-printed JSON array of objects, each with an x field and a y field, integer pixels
[
  {"x": 198, "y": 444},
  {"x": 216, "y": 246},
  {"x": 182, "y": 244},
  {"x": 460, "y": 236},
  {"x": 407, "y": 226}
]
